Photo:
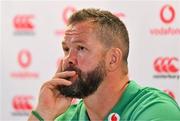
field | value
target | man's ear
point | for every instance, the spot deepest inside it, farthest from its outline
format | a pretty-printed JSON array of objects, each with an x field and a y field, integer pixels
[{"x": 114, "y": 58}]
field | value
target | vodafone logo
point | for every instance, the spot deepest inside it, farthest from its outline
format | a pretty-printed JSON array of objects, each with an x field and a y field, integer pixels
[
  {"x": 166, "y": 65},
  {"x": 22, "y": 103},
  {"x": 23, "y": 22},
  {"x": 24, "y": 58},
  {"x": 67, "y": 12},
  {"x": 114, "y": 117},
  {"x": 167, "y": 14}
]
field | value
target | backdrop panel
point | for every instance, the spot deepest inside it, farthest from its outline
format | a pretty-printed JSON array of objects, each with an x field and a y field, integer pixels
[{"x": 30, "y": 46}]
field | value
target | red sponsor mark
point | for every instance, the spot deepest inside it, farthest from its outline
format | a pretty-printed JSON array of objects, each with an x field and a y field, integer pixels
[
  {"x": 67, "y": 12},
  {"x": 167, "y": 15},
  {"x": 24, "y": 58},
  {"x": 22, "y": 103},
  {"x": 170, "y": 93},
  {"x": 23, "y": 22},
  {"x": 167, "y": 9},
  {"x": 165, "y": 31},
  {"x": 120, "y": 14},
  {"x": 24, "y": 74},
  {"x": 165, "y": 64},
  {"x": 113, "y": 118},
  {"x": 65, "y": 16}
]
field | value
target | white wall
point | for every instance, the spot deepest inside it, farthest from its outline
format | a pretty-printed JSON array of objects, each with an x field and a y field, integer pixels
[{"x": 41, "y": 46}]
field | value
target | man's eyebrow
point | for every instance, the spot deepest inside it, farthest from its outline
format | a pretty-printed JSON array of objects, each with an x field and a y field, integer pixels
[
  {"x": 75, "y": 41},
  {"x": 79, "y": 41}
]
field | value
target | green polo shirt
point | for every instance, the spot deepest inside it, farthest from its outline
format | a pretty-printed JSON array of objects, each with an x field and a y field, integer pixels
[{"x": 136, "y": 104}]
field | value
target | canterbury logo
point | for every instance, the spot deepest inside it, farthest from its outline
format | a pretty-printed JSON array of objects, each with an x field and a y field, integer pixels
[
  {"x": 23, "y": 22},
  {"x": 22, "y": 103},
  {"x": 166, "y": 64}
]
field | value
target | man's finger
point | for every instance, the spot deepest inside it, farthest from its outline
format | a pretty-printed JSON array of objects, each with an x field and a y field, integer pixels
[
  {"x": 60, "y": 66},
  {"x": 55, "y": 82},
  {"x": 65, "y": 74}
]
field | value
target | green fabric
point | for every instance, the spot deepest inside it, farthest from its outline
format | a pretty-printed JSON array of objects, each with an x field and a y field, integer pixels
[{"x": 136, "y": 104}]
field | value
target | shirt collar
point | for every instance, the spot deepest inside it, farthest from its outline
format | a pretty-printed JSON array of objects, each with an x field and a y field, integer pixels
[{"x": 126, "y": 97}]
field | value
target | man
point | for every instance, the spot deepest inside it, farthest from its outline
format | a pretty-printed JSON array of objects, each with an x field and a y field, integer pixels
[{"x": 95, "y": 68}]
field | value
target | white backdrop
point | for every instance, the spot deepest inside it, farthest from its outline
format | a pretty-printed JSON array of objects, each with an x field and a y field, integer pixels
[{"x": 30, "y": 46}]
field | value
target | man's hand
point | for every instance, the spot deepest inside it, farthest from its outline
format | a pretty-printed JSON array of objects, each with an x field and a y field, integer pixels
[{"x": 51, "y": 102}]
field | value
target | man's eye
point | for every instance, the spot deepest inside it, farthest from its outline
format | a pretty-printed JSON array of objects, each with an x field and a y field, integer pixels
[
  {"x": 66, "y": 49},
  {"x": 81, "y": 48}
]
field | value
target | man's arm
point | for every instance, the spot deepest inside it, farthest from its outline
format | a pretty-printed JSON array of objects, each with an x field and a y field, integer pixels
[{"x": 51, "y": 103}]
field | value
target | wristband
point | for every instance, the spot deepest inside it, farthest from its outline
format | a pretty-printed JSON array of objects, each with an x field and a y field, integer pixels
[{"x": 36, "y": 114}]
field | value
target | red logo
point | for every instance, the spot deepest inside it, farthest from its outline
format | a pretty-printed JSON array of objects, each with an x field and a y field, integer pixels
[
  {"x": 114, "y": 117},
  {"x": 24, "y": 58},
  {"x": 170, "y": 93},
  {"x": 22, "y": 103},
  {"x": 167, "y": 14},
  {"x": 67, "y": 12},
  {"x": 165, "y": 64},
  {"x": 65, "y": 15},
  {"x": 120, "y": 14},
  {"x": 23, "y": 22}
]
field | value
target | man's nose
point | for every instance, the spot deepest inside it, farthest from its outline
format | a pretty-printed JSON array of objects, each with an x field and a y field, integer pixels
[{"x": 71, "y": 58}]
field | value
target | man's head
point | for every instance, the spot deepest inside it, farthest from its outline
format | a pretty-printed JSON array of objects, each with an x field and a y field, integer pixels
[{"x": 96, "y": 42}]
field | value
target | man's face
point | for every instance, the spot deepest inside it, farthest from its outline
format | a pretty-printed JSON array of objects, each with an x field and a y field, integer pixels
[{"x": 83, "y": 54}]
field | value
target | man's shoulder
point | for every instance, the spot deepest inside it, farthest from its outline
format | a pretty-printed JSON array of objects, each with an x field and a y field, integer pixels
[
  {"x": 151, "y": 103},
  {"x": 71, "y": 113},
  {"x": 153, "y": 95},
  {"x": 145, "y": 95}
]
